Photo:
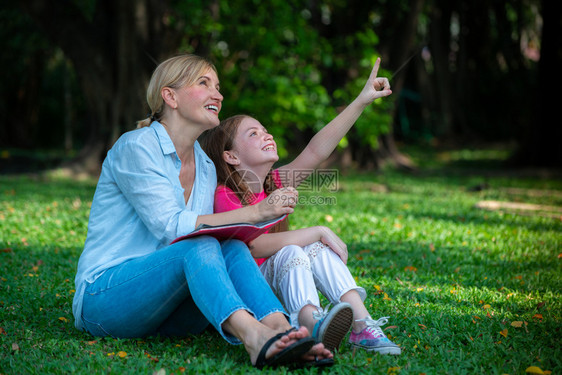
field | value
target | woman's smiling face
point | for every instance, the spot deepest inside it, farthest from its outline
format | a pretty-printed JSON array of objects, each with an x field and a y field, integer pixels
[{"x": 202, "y": 101}]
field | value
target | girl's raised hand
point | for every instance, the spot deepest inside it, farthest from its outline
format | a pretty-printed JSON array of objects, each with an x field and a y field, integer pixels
[{"x": 376, "y": 87}]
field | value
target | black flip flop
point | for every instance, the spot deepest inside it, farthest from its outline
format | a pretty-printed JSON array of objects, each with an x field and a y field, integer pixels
[
  {"x": 287, "y": 356},
  {"x": 325, "y": 362},
  {"x": 320, "y": 363}
]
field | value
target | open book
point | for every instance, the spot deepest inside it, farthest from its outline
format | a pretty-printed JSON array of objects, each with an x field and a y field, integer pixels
[{"x": 245, "y": 232}]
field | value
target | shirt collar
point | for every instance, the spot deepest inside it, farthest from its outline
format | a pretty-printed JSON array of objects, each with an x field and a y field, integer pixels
[
  {"x": 166, "y": 143},
  {"x": 168, "y": 147}
]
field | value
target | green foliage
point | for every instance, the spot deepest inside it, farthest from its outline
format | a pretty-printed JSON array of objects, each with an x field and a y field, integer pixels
[
  {"x": 269, "y": 67},
  {"x": 467, "y": 291},
  {"x": 274, "y": 65},
  {"x": 292, "y": 64}
]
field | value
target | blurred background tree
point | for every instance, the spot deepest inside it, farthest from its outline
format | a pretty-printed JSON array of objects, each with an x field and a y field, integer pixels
[{"x": 76, "y": 71}]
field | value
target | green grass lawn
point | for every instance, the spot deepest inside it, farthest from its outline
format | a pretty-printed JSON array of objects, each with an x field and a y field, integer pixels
[{"x": 467, "y": 290}]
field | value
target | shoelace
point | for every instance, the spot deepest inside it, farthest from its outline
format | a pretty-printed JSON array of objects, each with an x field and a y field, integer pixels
[
  {"x": 375, "y": 325},
  {"x": 321, "y": 313}
]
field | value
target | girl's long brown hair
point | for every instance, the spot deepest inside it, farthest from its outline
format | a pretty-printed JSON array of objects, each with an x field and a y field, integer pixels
[{"x": 221, "y": 138}]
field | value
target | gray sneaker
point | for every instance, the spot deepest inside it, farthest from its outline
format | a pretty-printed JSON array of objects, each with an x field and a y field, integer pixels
[{"x": 333, "y": 325}]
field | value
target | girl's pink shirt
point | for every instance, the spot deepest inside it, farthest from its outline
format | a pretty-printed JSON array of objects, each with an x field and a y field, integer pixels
[{"x": 227, "y": 200}]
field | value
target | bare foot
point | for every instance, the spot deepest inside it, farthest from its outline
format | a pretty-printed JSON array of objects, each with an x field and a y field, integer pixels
[
  {"x": 253, "y": 347},
  {"x": 318, "y": 351}
]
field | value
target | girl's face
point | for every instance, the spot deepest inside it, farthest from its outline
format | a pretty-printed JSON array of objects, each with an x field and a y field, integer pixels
[
  {"x": 201, "y": 102},
  {"x": 252, "y": 146}
]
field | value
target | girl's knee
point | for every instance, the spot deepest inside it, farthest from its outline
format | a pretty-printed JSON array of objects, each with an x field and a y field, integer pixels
[
  {"x": 317, "y": 248},
  {"x": 292, "y": 251},
  {"x": 292, "y": 254}
]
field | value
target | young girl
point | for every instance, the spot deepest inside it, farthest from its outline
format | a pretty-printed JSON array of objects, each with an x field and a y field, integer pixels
[{"x": 297, "y": 263}]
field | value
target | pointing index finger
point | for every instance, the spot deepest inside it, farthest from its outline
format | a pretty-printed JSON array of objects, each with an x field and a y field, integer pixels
[{"x": 375, "y": 70}]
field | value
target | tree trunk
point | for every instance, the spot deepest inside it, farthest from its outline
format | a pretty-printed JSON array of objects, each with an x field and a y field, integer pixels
[
  {"x": 67, "y": 116},
  {"x": 26, "y": 110},
  {"x": 540, "y": 143},
  {"x": 440, "y": 23},
  {"x": 113, "y": 53},
  {"x": 399, "y": 50}
]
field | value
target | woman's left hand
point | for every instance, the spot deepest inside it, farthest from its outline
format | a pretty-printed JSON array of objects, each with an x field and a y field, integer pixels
[{"x": 376, "y": 87}]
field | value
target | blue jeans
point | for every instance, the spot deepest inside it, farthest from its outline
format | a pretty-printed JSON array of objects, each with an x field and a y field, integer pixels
[{"x": 178, "y": 290}]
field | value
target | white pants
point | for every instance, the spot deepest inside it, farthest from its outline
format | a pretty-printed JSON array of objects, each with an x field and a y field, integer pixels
[{"x": 296, "y": 274}]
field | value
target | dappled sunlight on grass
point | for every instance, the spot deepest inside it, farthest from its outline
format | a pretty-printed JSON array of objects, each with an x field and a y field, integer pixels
[
  {"x": 453, "y": 277},
  {"x": 467, "y": 290}
]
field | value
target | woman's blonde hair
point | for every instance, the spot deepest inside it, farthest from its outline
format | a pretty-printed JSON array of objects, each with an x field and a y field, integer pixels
[{"x": 176, "y": 72}]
